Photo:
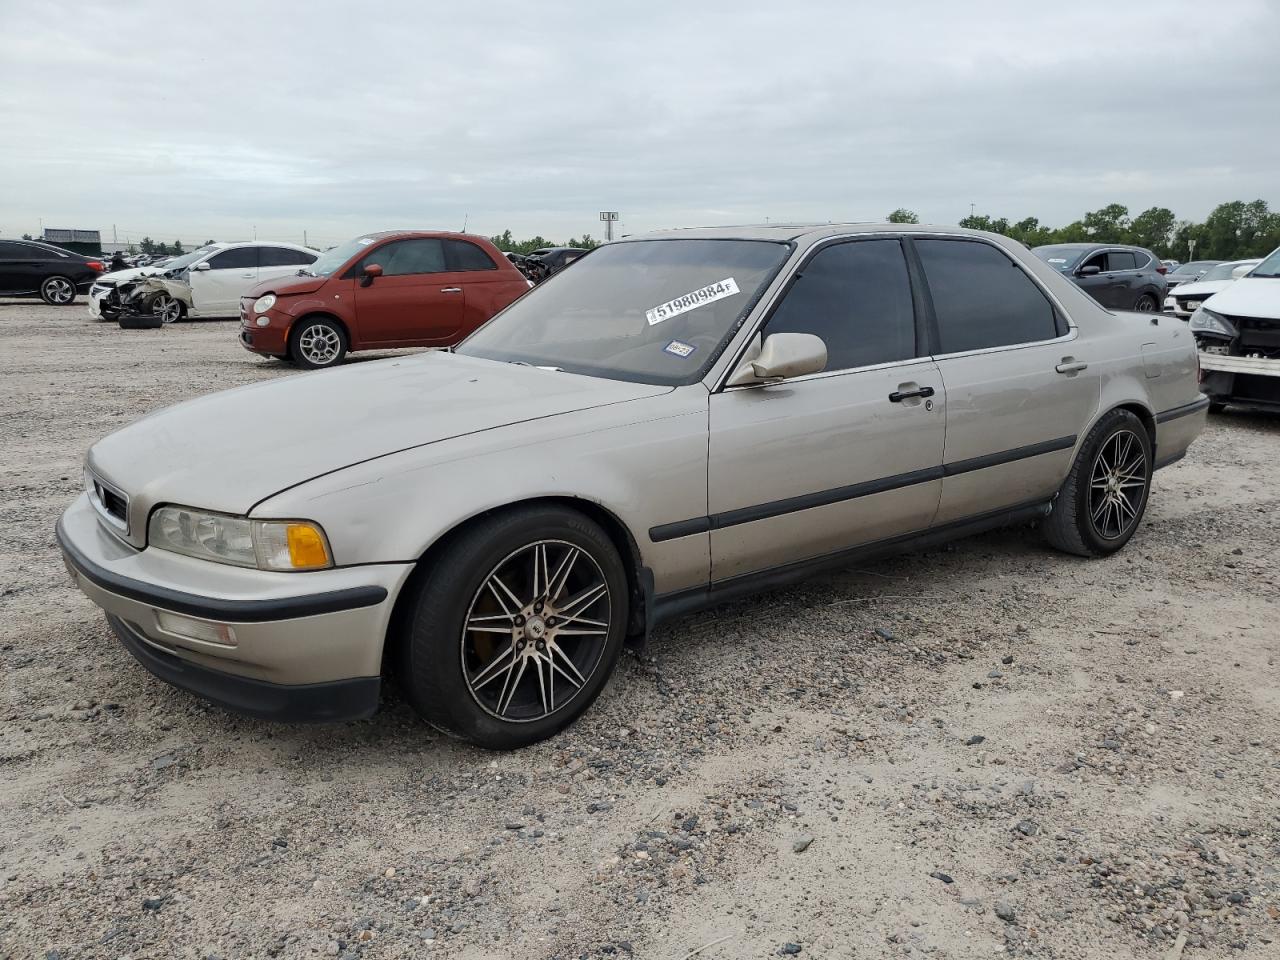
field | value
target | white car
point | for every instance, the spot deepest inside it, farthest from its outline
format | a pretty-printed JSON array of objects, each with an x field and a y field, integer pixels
[
  {"x": 218, "y": 274},
  {"x": 1189, "y": 296},
  {"x": 1238, "y": 334}
]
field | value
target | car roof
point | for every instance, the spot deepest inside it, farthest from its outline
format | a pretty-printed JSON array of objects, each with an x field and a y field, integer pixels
[
  {"x": 789, "y": 232},
  {"x": 422, "y": 233},
  {"x": 229, "y": 245}
]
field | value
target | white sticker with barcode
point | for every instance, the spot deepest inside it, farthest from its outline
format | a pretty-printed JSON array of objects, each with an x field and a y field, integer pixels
[{"x": 691, "y": 301}]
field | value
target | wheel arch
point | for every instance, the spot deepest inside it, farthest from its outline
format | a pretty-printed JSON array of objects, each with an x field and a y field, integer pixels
[{"x": 639, "y": 578}]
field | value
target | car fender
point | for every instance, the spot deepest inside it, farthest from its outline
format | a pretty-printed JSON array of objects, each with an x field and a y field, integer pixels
[{"x": 642, "y": 461}]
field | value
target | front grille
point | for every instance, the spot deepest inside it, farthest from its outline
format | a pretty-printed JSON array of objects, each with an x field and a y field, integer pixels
[
  {"x": 111, "y": 503},
  {"x": 1258, "y": 337}
]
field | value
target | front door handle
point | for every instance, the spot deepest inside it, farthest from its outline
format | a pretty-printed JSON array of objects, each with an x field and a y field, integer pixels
[
  {"x": 899, "y": 395},
  {"x": 1070, "y": 365},
  {"x": 450, "y": 289}
]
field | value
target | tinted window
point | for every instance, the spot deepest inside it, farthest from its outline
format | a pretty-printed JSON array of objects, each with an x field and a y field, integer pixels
[
  {"x": 1121, "y": 260},
  {"x": 284, "y": 257},
  {"x": 1098, "y": 260},
  {"x": 14, "y": 251},
  {"x": 467, "y": 256},
  {"x": 401, "y": 258},
  {"x": 982, "y": 298},
  {"x": 235, "y": 258},
  {"x": 857, "y": 298}
]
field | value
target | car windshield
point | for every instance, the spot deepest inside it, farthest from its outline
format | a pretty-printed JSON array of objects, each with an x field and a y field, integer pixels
[
  {"x": 1064, "y": 258},
  {"x": 1195, "y": 268},
  {"x": 1270, "y": 267},
  {"x": 333, "y": 258},
  {"x": 1220, "y": 272},
  {"x": 647, "y": 311},
  {"x": 186, "y": 260}
]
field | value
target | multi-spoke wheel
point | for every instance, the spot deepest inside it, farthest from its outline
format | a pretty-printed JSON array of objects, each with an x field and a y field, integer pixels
[
  {"x": 516, "y": 626},
  {"x": 58, "y": 291},
  {"x": 1105, "y": 495},
  {"x": 1117, "y": 485},
  {"x": 1146, "y": 304},
  {"x": 535, "y": 631},
  {"x": 317, "y": 342}
]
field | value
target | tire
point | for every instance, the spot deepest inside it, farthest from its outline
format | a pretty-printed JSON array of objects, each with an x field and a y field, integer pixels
[
  {"x": 1216, "y": 406},
  {"x": 1080, "y": 522},
  {"x": 58, "y": 291},
  {"x": 1146, "y": 304},
  {"x": 474, "y": 682},
  {"x": 317, "y": 342}
]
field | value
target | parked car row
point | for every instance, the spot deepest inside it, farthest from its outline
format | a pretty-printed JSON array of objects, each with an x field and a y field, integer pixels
[
  {"x": 1117, "y": 276},
  {"x": 682, "y": 418}
]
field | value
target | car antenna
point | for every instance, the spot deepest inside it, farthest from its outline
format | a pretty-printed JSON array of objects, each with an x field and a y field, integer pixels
[{"x": 465, "y": 217}]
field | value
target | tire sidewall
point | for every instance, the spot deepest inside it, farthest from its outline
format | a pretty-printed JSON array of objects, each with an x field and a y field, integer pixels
[
  {"x": 295, "y": 338},
  {"x": 1114, "y": 422},
  {"x": 432, "y": 666}
]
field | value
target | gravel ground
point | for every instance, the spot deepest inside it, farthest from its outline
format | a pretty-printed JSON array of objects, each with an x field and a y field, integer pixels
[{"x": 990, "y": 748}]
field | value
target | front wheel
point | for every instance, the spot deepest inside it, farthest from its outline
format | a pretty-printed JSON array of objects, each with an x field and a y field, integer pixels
[
  {"x": 1105, "y": 494},
  {"x": 515, "y": 630},
  {"x": 317, "y": 342},
  {"x": 168, "y": 308},
  {"x": 58, "y": 291}
]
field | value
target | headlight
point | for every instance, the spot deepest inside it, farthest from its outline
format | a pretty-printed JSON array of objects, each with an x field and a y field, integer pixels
[
  {"x": 264, "y": 544},
  {"x": 1206, "y": 321},
  {"x": 264, "y": 303}
]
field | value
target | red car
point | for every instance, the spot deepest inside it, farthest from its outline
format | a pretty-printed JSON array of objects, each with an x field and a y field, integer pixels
[{"x": 396, "y": 289}]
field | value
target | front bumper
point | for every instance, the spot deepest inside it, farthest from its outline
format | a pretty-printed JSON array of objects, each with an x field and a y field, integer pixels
[
  {"x": 272, "y": 339},
  {"x": 296, "y": 646},
  {"x": 1257, "y": 366}
]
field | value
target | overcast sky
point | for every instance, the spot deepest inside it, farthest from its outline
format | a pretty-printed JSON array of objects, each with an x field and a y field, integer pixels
[{"x": 207, "y": 119}]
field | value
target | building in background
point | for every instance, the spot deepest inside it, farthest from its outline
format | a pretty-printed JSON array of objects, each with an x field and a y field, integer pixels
[{"x": 88, "y": 242}]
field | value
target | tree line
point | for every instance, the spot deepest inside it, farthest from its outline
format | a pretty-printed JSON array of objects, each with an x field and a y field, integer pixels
[
  {"x": 509, "y": 244},
  {"x": 1233, "y": 231}
]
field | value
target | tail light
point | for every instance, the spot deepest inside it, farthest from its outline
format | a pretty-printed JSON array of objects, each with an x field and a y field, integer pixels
[
  {"x": 1162, "y": 269},
  {"x": 96, "y": 265}
]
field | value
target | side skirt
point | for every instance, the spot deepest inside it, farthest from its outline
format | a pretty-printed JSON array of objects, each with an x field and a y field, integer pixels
[{"x": 671, "y": 605}]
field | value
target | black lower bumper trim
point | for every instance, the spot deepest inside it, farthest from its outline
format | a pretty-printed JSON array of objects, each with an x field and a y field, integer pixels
[
  {"x": 1186, "y": 410},
  {"x": 331, "y": 702},
  {"x": 215, "y": 608}
]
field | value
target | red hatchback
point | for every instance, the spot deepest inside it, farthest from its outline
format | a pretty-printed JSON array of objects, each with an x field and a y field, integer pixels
[{"x": 395, "y": 289}]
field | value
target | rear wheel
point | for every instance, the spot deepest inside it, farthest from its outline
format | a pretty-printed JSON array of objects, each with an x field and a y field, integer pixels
[
  {"x": 317, "y": 342},
  {"x": 1146, "y": 304},
  {"x": 1105, "y": 495},
  {"x": 1216, "y": 406},
  {"x": 58, "y": 291},
  {"x": 514, "y": 631}
]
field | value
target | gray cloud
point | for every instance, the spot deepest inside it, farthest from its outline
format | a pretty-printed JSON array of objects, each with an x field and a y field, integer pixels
[{"x": 215, "y": 119}]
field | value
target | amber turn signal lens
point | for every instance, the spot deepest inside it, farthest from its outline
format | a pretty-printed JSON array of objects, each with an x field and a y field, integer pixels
[{"x": 307, "y": 548}]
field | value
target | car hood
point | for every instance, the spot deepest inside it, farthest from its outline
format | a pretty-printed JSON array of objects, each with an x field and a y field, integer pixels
[
  {"x": 1249, "y": 297},
  {"x": 1203, "y": 288},
  {"x": 290, "y": 286},
  {"x": 121, "y": 276},
  {"x": 229, "y": 451}
]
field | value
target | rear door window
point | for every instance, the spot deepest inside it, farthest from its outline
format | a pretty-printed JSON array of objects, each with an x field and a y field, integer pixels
[
  {"x": 982, "y": 298},
  {"x": 285, "y": 257},
  {"x": 1121, "y": 260},
  {"x": 856, "y": 296}
]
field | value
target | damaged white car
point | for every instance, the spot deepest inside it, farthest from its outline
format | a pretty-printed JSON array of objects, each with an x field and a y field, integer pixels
[{"x": 1238, "y": 335}]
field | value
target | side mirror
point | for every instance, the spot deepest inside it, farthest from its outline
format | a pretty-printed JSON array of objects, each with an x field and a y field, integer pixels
[
  {"x": 1090, "y": 271},
  {"x": 371, "y": 271},
  {"x": 782, "y": 356},
  {"x": 203, "y": 265}
]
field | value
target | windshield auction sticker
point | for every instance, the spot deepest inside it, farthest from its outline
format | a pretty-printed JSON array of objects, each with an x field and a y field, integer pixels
[{"x": 691, "y": 301}]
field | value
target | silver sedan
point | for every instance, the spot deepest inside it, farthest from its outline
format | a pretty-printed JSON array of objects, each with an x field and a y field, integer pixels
[{"x": 682, "y": 418}]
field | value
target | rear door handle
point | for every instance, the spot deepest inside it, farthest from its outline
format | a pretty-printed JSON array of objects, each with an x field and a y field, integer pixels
[
  {"x": 450, "y": 289},
  {"x": 899, "y": 395},
  {"x": 1070, "y": 365}
]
